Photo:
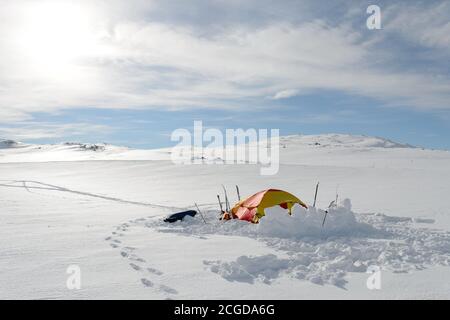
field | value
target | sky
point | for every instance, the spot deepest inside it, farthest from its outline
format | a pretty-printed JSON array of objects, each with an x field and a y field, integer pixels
[{"x": 131, "y": 72}]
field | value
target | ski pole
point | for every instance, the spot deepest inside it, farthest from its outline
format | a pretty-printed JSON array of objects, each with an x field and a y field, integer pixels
[
  {"x": 315, "y": 195},
  {"x": 200, "y": 212},
  {"x": 323, "y": 222},
  {"x": 227, "y": 204},
  {"x": 220, "y": 203}
]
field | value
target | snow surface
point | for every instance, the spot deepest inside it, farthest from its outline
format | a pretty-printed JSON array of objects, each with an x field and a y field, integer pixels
[{"x": 59, "y": 208}]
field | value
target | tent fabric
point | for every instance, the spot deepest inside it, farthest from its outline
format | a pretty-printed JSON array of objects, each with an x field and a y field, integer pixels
[{"x": 252, "y": 208}]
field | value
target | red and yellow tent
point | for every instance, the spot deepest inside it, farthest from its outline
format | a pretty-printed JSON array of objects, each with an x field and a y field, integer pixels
[{"x": 252, "y": 208}]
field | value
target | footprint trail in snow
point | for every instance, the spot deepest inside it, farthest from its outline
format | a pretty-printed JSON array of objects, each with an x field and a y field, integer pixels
[{"x": 150, "y": 277}]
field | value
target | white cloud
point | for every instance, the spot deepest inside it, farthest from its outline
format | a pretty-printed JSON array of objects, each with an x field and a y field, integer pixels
[
  {"x": 140, "y": 64},
  {"x": 424, "y": 25},
  {"x": 284, "y": 94},
  {"x": 26, "y": 131}
]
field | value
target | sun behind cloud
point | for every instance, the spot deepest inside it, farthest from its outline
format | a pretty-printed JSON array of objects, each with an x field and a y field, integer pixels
[{"x": 53, "y": 35}]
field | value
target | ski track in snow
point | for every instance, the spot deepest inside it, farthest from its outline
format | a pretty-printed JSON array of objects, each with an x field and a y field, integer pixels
[
  {"x": 136, "y": 262},
  {"x": 351, "y": 243},
  {"x": 280, "y": 248},
  {"x": 321, "y": 256},
  {"x": 30, "y": 184}
]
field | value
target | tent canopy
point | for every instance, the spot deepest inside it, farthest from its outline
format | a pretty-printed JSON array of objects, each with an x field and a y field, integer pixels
[{"x": 252, "y": 208}]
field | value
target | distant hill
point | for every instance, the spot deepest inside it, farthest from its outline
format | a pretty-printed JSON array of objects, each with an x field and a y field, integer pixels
[
  {"x": 344, "y": 140},
  {"x": 6, "y": 144}
]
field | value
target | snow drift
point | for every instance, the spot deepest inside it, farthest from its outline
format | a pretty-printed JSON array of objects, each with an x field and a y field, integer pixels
[
  {"x": 340, "y": 221},
  {"x": 348, "y": 242},
  {"x": 107, "y": 217},
  {"x": 303, "y": 223}
]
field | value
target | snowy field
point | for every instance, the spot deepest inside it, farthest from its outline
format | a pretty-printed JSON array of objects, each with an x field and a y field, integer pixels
[{"x": 101, "y": 208}]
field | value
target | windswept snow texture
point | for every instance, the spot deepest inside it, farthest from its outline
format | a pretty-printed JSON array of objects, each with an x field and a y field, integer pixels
[
  {"x": 346, "y": 243},
  {"x": 59, "y": 208}
]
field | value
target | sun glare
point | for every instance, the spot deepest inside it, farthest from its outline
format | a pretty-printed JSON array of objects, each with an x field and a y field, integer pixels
[{"x": 54, "y": 35}]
